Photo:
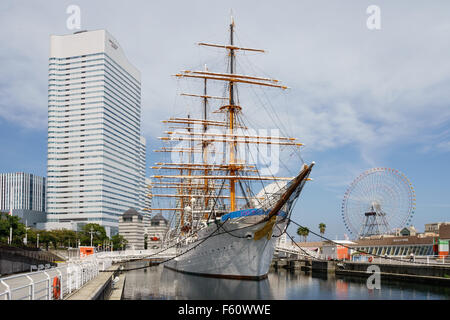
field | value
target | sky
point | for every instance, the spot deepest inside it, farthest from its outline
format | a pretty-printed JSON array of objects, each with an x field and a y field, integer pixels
[{"x": 359, "y": 98}]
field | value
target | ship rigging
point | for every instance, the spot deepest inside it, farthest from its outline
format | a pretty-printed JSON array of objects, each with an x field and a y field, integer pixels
[{"x": 213, "y": 170}]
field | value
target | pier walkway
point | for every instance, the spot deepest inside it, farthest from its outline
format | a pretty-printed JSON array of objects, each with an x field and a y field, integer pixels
[
  {"x": 69, "y": 279},
  {"x": 289, "y": 249},
  {"x": 98, "y": 288}
]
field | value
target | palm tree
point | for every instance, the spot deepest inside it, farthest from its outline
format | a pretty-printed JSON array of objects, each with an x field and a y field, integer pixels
[
  {"x": 303, "y": 232},
  {"x": 322, "y": 227}
]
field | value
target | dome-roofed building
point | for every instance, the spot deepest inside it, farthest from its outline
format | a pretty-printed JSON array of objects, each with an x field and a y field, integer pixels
[
  {"x": 131, "y": 227},
  {"x": 157, "y": 231}
]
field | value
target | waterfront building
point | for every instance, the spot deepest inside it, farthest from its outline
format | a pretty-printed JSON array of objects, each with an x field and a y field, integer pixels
[
  {"x": 397, "y": 246},
  {"x": 433, "y": 227},
  {"x": 23, "y": 191},
  {"x": 131, "y": 227},
  {"x": 407, "y": 231},
  {"x": 338, "y": 249},
  {"x": 432, "y": 242},
  {"x": 159, "y": 226},
  {"x": 444, "y": 239},
  {"x": 96, "y": 155},
  {"x": 387, "y": 246}
]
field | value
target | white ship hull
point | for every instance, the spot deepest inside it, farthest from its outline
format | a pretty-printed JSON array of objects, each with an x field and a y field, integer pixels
[{"x": 233, "y": 253}]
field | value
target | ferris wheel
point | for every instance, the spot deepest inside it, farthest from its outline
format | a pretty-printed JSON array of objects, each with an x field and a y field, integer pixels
[{"x": 378, "y": 201}]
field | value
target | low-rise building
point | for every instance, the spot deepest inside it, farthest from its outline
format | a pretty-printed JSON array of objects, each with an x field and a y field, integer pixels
[
  {"x": 433, "y": 227},
  {"x": 157, "y": 231},
  {"x": 444, "y": 239},
  {"x": 338, "y": 249},
  {"x": 407, "y": 231},
  {"x": 397, "y": 246},
  {"x": 131, "y": 227}
]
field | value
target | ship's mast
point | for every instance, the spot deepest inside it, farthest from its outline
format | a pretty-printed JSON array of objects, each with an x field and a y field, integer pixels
[
  {"x": 191, "y": 160},
  {"x": 203, "y": 180},
  {"x": 231, "y": 119},
  {"x": 205, "y": 143}
]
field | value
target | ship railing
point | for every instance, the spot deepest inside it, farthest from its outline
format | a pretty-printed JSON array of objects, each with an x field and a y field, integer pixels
[{"x": 127, "y": 255}]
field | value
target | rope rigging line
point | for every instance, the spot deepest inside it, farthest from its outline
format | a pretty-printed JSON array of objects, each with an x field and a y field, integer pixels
[
  {"x": 298, "y": 245},
  {"x": 213, "y": 234}
]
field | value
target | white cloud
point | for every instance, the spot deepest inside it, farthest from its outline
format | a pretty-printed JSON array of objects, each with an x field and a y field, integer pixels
[{"x": 350, "y": 86}]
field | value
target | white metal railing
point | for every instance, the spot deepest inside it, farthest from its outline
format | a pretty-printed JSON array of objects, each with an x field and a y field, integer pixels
[
  {"x": 294, "y": 249},
  {"x": 41, "y": 284},
  {"x": 418, "y": 260},
  {"x": 53, "y": 283}
]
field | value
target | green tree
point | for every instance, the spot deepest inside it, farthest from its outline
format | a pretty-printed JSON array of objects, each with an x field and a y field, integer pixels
[
  {"x": 18, "y": 229},
  {"x": 322, "y": 227},
  {"x": 32, "y": 237},
  {"x": 46, "y": 238},
  {"x": 303, "y": 232},
  {"x": 98, "y": 234},
  {"x": 145, "y": 241},
  {"x": 64, "y": 237},
  {"x": 119, "y": 242}
]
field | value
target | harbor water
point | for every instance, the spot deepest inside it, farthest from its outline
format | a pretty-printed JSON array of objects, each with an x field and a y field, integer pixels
[{"x": 158, "y": 282}]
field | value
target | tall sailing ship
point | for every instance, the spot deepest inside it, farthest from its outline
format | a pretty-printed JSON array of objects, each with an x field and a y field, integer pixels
[{"x": 219, "y": 225}]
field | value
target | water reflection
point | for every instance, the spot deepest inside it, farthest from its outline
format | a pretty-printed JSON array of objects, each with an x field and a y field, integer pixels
[
  {"x": 161, "y": 283},
  {"x": 202, "y": 288}
]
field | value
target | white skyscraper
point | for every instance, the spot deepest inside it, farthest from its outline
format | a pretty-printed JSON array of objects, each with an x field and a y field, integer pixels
[
  {"x": 142, "y": 195},
  {"x": 95, "y": 153},
  {"x": 22, "y": 191}
]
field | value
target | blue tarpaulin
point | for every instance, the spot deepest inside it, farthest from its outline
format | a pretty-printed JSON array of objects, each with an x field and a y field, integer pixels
[{"x": 248, "y": 212}]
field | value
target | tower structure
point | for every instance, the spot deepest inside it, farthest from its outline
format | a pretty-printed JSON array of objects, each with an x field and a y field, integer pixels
[{"x": 96, "y": 155}]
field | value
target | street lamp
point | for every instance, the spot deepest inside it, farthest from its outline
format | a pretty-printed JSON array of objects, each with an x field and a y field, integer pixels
[
  {"x": 26, "y": 233},
  {"x": 92, "y": 232}
]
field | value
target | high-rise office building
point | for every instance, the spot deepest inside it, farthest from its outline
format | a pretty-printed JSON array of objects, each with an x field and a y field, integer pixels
[
  {"x": 142, "y": 194},
  {"x": 95, "y": 150},
  {"x": 147, "y": 203},
  {"x": 22, "y": 191}
]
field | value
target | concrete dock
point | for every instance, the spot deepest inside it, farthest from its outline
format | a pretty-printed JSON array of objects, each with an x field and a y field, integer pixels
[
  {"x": 409, "y": 272},
  {"x": 98, "y": 288},
  {"x": 398, "y": 276},
  {"x": 433, "y": 274},
  {"x": 117, "y": 290}
]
